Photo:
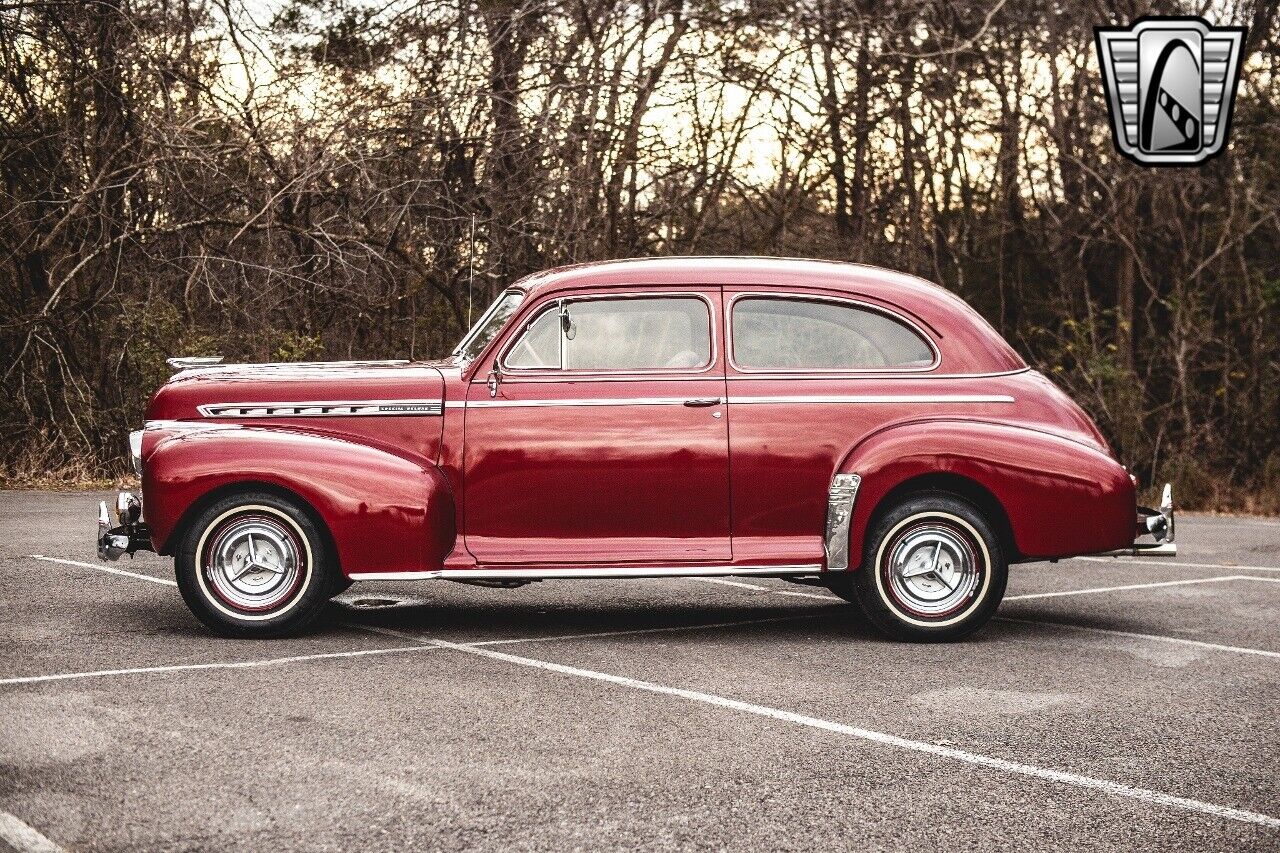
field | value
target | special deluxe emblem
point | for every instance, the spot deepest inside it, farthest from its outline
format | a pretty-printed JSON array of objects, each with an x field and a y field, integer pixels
[{"x": 1170, "y": 83}]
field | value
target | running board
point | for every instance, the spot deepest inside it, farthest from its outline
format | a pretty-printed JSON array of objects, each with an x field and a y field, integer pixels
[{"x": 560, "y": 573}]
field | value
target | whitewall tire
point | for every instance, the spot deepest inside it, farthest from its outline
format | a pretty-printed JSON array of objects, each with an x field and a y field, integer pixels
[
  {"x": 254, "y": 564},
  {"x": 932, "y": 569}
]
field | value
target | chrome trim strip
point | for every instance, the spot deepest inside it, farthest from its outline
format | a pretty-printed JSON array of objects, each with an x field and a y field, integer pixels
[
  {"x": 840, "y": 498},
  {"x": 816, "y": 297},
  {"x": 870, "y": 374},
  {"x": 484, "y": 319},
  {"x": 877, "y": 398},
  {"x": 179, "y": 364},
  {"x": 323, "y": 409},
  {"x": 679, "y": 401},
  {"x": 393, "y": 576},
  {"x": 592, "y": 572},
  {"x": 606, "y": 401}
]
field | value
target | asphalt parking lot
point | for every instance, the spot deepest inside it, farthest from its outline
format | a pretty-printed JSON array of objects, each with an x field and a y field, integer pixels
[{"x": 1112, "y": 704}]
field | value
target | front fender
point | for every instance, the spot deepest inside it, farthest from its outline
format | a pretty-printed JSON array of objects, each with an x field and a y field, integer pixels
[
  {"x": 386, "y": 513},
  {"x": 1061, "y": 497}
]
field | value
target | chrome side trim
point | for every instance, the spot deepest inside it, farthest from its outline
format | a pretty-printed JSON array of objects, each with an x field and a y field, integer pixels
[
  {"x": 320, "y": 365},
  {"x": 189, "y": 363},
  {"x": 869, "y": 373},
  {"x": 323, "y": 409},
  {"x": 679, "y": 401},
  {"x": 840, "y": 498},
  {"x": 603, "y": 401},
  {"x": 394, "y": 576},
  {"x": 877, "y": 398},
  {"x": 591, "y": 572}
]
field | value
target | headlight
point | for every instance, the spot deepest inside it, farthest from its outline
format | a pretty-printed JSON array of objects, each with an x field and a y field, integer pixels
[{"x": 135, "y": 450}]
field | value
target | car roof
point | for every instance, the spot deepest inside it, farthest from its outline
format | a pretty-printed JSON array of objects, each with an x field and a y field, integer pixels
[
  {"x": 971, "y": 342},
  {"x": 723, "y": 270}
]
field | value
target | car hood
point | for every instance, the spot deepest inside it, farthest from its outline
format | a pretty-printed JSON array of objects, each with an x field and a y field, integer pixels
[{"x": 258, "y": 391}]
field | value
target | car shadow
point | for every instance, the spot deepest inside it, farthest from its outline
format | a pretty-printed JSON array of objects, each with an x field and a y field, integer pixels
[
  {"x": 755, "y": 619},
  {"x": 474, "y": 622}
]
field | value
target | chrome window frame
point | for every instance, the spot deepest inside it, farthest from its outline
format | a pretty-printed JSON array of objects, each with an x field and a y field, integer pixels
[
  {"x": 826, "y": 371},
  {"x": 558, "y": 303},
  {"x": 474, "y": 331}
]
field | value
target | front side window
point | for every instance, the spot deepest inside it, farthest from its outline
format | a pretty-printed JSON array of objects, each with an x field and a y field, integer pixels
[
  {"x": 641, "y": 333},
  {"x": 539, "y": 345},
  {"x": 802, "y": 334}
]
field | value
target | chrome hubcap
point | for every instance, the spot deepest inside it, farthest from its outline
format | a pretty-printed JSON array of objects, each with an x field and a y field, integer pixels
[
  {"x": 254, "y": 563},
  {"x": 933, "y": 569}
]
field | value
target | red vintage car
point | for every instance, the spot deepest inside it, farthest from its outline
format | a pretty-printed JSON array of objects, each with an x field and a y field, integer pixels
[{"x": 825, "y": 423}]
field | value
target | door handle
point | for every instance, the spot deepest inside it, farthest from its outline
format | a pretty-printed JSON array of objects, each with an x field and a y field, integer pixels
[{"x": 703, "y": 403}]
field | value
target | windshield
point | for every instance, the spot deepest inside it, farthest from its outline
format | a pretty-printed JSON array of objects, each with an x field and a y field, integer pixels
[{"x": 488, "y": 325}]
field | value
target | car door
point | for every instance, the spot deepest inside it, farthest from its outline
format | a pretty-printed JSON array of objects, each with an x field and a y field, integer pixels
[
  {"x": 811, "y": 374},
  {"x": 605, "y": 440}
]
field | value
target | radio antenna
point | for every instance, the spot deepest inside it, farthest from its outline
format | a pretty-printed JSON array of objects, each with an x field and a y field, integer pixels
[{"x": 471, "y": 272}]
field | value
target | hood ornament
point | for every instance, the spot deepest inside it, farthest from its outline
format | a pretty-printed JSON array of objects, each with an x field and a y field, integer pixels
[{"x": 181, "y": 363}]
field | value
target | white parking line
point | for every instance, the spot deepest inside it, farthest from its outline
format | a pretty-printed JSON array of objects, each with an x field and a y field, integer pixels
[
  {"x": 1013, "y": 767},
  {"x": 1154, "y": 637},
  {"x": 28, "y": 839},
  {"x": 102, "y": 567},
  {"x": 421, "y": 643},
  {"x": 724, "y": 582},
  {"x": 758, "y": 588},
  {"x": 23, "y": 838},
  {"x": 1145, "y": 562},
  {"x": 1090, "y": 591},
  {"x": 1098, "y": 589},
  {"x": 188, "y": 667},
  {"x": 1161, "y": 638}
]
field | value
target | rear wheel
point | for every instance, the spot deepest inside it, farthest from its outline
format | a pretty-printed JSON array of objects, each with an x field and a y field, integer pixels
[
  {"x": 254, "y": 565},
  {"x": 932, "y": 569}
]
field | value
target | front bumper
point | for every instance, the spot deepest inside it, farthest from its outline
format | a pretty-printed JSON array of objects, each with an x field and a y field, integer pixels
[
  {"x": 1156, "y": 523},
  {"x": 129, "y": 535}
]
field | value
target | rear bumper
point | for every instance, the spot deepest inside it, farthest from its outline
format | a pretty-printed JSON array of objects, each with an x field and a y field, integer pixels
[
  {"x": 129, "y": 535},
  {"x": 1158, "y": 524}
]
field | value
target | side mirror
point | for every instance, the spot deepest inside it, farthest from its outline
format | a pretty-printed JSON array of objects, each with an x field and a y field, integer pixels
[
  {"x": 566, "y": 324},
  {"x": 495, "y": 379}
]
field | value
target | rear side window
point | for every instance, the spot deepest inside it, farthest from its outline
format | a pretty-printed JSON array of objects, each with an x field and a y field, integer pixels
[
  {"x": 642, "y": 333},
  {"x": 804, "y": 334}
]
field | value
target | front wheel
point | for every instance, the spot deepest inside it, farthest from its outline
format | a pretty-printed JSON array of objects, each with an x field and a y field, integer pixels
[
  {"x": 932, "y": 569},
  {"x": 254, "y": 565}
]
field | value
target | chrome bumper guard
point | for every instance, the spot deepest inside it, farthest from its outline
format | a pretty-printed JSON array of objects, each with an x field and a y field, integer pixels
[
  {"x": 1156, "y": 523},
  {"x": 130, "y": 535}
]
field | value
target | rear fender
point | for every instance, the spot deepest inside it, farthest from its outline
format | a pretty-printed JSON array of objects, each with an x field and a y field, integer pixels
[
  {"x": 386, "y": 513},
  {"x": 1061, "y": 497}
]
